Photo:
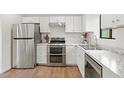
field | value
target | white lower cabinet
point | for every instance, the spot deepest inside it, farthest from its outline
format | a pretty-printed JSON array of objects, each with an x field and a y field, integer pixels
[
  {"x": 80, "y": 59},
  {"x": 108, "y": 73},
  {"x": 42, "y": 54},
  {"x": 70, "y": 55}
]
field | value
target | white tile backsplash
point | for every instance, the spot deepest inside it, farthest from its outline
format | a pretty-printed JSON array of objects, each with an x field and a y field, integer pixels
[
  {"x": 112, "y": 49},
  {"x": 71, "y": 38},
  {"x": 57, "y": 31}
]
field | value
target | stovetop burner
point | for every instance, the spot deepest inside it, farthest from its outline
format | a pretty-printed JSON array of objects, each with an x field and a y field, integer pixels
[{"x": 57, "y": 40}]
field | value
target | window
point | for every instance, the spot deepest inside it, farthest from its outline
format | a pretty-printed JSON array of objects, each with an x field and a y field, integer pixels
[{"x": 106, "y": 33}]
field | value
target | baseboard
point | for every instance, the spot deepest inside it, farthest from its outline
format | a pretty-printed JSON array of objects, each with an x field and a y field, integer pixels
[
  {"x": 71, "y": 64},
  {"x": 81, "y": 73},
  {"x": 42, "y": 64},
  {"x": 5, "y": 70}
]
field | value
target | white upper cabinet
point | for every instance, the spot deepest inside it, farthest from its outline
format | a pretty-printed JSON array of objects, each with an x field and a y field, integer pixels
[
  {"x": 54, "y": 19},
  {"x": 112, "y": 20},
  {"x": 30, "y": 20},
  {"x": 44, "y": 24},
  {"x": 77, "y": 23},
  {"x": 73, "y": 23},
  {"x": 91, "y": 22},
  {"x": 69, "y": 24}
]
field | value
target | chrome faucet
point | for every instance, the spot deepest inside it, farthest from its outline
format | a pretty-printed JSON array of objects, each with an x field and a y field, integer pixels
[{"x": 95, "y": 39}]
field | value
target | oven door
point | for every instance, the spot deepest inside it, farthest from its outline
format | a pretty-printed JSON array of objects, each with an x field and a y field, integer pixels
[
  {"x": 56, "y": 55},
  {"x": 92, "y": 68},
  {"x": 56, "y": 49},
  {"x": 56, "y": 60}
]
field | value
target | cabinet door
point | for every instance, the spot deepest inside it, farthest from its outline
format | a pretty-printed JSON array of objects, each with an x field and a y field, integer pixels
[
  {"x": 42, "y": 54},
  {"x": 80, "y": 56},
  {"x": 61, "y": 19},
  {"x": 54, "y": 19},
  {"x": 84, "y": 23},
  {"x": 77, "y": 24},
  {"x": 30, "y": 20},
  {"x": 70, "y": 55},
  {"x": 108, "y": 74},
  {"x": 44, "y": 24},
  {"x": 91, "y": 23},
  {"x": 69, "y": 24}
]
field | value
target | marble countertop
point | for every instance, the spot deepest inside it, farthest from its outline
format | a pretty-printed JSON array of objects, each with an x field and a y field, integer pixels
[
  {"x": 113, "y": 61},
  {"x": 71, "y": 44}
]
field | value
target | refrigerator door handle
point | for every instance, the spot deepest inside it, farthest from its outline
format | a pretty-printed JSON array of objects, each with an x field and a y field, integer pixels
[{"x": 23, "y": 38}]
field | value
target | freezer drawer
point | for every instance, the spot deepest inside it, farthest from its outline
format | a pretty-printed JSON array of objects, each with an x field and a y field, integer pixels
[{"x": 23, "y": 53}]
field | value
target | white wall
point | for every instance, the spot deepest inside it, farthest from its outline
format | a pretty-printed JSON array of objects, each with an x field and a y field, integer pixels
[
  {"x": 118, "y": 42},
  {"x": 115, "y": 44},
  {"x": 0, "y": 47},
  {"x": 92, "y": 24},
  {"x": 6, "y": 23}
]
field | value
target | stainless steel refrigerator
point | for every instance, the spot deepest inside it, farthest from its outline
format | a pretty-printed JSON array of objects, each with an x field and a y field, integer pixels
[{"x": 23, "y": 48}]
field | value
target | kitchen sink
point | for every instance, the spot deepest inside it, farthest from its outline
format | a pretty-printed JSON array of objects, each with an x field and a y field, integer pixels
[{"x": 89, "y": 48}]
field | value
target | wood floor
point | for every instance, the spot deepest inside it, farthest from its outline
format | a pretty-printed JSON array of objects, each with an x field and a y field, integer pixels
[{"x": 44, "y": 72}]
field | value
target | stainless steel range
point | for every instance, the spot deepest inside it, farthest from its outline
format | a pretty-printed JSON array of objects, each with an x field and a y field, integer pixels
[{"x": 56, "y": 52}]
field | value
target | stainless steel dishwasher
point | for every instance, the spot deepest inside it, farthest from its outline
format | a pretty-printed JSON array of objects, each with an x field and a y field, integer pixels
[{"x": 92, "y": 68}]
